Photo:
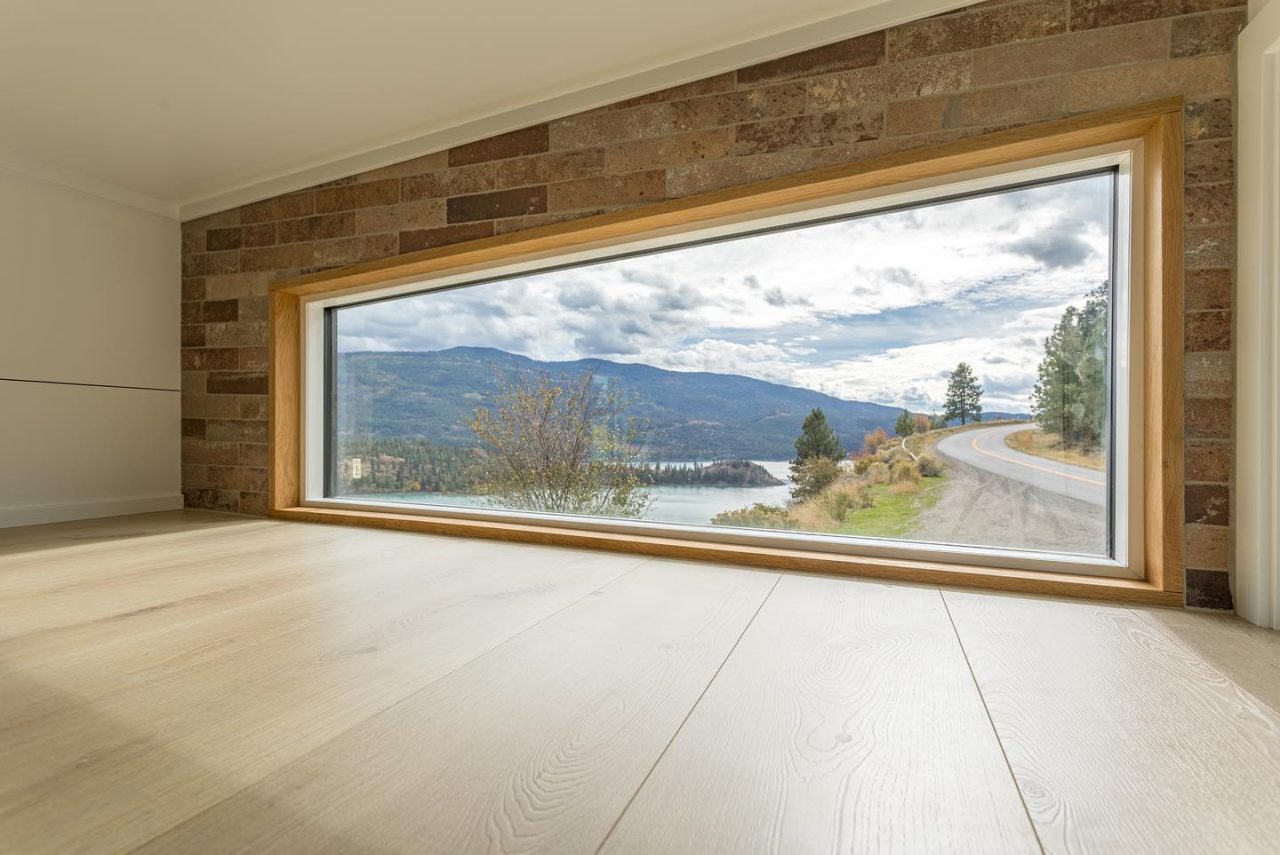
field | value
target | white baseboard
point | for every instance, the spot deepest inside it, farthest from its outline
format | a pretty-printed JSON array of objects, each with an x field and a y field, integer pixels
[{"x": 40, "y": 514}]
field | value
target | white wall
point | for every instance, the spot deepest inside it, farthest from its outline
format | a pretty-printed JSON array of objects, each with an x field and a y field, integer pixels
[
  {"x": 89, "y": 357},
  {"x": 1257, "y": 489}
]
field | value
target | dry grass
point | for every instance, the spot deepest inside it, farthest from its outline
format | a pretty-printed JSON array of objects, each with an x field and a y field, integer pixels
[{"x": 1049, "y": 446}]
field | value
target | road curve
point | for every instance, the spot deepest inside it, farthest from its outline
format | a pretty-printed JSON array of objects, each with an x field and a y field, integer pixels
[{"x": 984, "y": 449}]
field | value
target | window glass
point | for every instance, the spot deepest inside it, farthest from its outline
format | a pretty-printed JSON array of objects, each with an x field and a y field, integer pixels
[{"x": 939, "y": 374}]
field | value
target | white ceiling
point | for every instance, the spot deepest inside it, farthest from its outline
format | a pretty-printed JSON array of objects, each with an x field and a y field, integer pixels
[{"x": 190, "y": 107}]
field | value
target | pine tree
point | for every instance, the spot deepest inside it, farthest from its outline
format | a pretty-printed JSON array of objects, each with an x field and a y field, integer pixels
[
  {"x": 964, "y": 395},
  {"x": 817, "y": 443},
  {"x": 905, "y": 425},
  {"x": 1070, "y": 396}
]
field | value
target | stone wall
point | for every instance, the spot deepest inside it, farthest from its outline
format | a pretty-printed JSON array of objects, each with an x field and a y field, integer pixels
[{"x": 990, "y": 66}]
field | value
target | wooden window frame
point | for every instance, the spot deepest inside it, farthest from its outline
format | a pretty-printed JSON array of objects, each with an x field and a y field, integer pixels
[{"x": 1155, "y": 129}]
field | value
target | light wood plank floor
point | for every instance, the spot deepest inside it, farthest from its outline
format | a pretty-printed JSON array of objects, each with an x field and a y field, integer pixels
[{"x": 195, "y": 682}]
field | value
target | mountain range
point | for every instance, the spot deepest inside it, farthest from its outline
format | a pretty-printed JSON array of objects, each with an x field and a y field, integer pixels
[{"x": 693, "y": 415}]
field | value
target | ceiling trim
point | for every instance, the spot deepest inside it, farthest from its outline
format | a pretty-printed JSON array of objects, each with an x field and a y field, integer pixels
[
  {"x": 69, "y": 178},
  {"x": 864, "y": 20}
]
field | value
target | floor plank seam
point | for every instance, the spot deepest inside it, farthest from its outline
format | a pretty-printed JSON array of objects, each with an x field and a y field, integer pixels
[
  {"x": 990, "y": 720},
  {"x": 1177, "y": 642},
  {"x": 688, "y": 715},
  {"x": 302, "y": 757}
]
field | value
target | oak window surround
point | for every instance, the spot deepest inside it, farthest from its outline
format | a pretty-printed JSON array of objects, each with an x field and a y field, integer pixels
[{"x": 1148, "y": 138}]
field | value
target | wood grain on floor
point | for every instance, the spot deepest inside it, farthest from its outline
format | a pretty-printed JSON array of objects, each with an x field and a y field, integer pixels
[{"x": 192, "y": 682}]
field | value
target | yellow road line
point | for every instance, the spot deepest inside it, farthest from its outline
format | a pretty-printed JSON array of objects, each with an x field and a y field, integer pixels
[{"x": 974, "y": 442}]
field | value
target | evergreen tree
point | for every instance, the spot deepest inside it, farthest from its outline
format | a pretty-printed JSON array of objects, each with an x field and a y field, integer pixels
[
  {"x": 1070, "y": 396},
  {"x": 816, "y": 444},
  {"x": 905, "y": 425},
  {"x": 817, "y": 438},
  {"x": 964, "y": 395}
]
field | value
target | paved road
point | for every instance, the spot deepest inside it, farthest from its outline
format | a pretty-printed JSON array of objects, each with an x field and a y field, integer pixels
[{"x": 984, "y": 449}]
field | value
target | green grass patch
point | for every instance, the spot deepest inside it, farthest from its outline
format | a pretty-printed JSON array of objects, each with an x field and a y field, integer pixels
[{"x": 893, "y": 514}]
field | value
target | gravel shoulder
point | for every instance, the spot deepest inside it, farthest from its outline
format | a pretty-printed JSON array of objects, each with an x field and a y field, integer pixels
[{"x": 981, "y": 508}]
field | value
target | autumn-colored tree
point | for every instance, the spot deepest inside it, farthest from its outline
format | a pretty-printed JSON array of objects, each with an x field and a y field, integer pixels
[
  {"x": 560, "y": 445},
  {"x": 872, "y": 441},
  {"x": 923, "y": 423}
]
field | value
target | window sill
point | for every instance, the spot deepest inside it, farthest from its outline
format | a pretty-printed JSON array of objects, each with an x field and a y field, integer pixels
[{"x": 920, "y": 572}]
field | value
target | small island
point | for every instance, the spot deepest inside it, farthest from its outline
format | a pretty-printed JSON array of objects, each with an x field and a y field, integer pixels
[{"x": 719, "y": 473}]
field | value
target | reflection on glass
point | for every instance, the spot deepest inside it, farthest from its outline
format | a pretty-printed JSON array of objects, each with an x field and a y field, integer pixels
[{"x": 939, "y": 374}]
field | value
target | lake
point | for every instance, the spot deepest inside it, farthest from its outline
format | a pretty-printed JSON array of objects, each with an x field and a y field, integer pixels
[{"x": 672, "y": 503}]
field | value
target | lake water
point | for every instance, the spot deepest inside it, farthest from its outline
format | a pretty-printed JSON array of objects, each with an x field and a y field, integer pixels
[{"x": 672, "y": 504}]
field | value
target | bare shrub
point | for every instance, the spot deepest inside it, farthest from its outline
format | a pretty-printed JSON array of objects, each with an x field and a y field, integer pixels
[{"x": 929, "y": 466}]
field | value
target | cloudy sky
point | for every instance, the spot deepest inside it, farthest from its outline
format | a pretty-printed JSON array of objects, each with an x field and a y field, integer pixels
[{"x": 879, "y": 308}]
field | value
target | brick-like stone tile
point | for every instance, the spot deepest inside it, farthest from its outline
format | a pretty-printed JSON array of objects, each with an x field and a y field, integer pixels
[
  {"x": 1201, "y": 34},
  {"x": 551, "y": 167},
  {"x": 857, "y": 52},
  {"x": 364, "y": 195},
  {"x": 276, "y": 258},
  {"x": 210, "y": 452},
  {"x": 236, "y": 334},
  {"x": 252, "y": 359},
  {"x": 1210, "y": 204},
  {"x": 192, "y": 289},
  {"x": 1209, "y": 162},
  {"x": 202, "y": 406},
  {"x": 194, "y": 381},
  {"x": 1208, "y": 289},
  {"x": 211, "y": 263},
  {"x": 253, "y": 503},
  {"x": 192, "y": 335},
  {"x": 713, "y": 175},
  {"x": 634, "y": 187},
  {"x": 191, "y": 313},
  {"x": 979, "y": 29},
  {"x": 497, "y": 204},
  {"x": 219, "y": 311},
  {"x": 448, "y": 182},
  {"x": 236, "y": 430},
  {"x": 732, "y": 108},
  {"x": 1207, "y": 546},
  {"x": 420, "y": 239},
  {"x": 208, "y": 499},
  {"x": 1208, "y": 504},
  {"x": 1208, "y": 589},
  {"x": 897, "y": 82},
  {"x": 705, "y": 86},
  {"x": 1020, "y": 102},
  {"x": 209, "y": 359},
  {"x": 217, "y": 240},
  {"x": 1070, "y": 53},
  {"x": 531, "y": 140},
  {"x": 1208, "y": 417},
  {"x": 1087, "y": 14},
  {"x": 252, "y": 407},
  {"x": 253, "y": 309},
  {"x": 1209, "y": 461},
  {"x": 601, "y": 127},
  {"x": 1208, "y": 331},
  {"x": 639, "y": 155},
  {"x": 353, "y": 250},
  {"x": 1208, "y": 375},
  {"x": 237, "y": 383},
  {"x": 193, "y": 240},
  {"x": 1128, "y": 84},
  {"x": 280, "y": 208},
  {"x": 1209, "y": 246},
  {"x": 813, "y": 131},
  {"x": 918, "y": 116},
  {"x": 193, "y": 428},
  {"x": 239, "y": 285},
  {"x": 319, "y": 227},
  {"x": 1208, "y": 119},
  {"x": 253, "y": 454},
  {"x": 516, "y": 224},
  {"x": 421, "y": 214},
  {"x": 259, "y": 234}
]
